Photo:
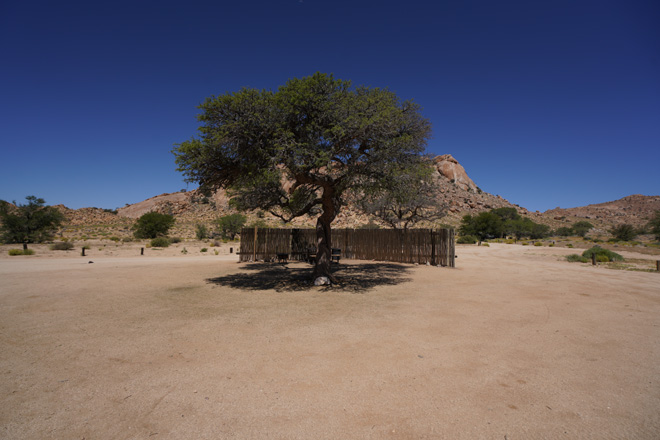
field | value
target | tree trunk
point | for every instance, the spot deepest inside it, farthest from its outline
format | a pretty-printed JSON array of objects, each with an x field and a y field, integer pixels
[{"x": 324, "y": 242}]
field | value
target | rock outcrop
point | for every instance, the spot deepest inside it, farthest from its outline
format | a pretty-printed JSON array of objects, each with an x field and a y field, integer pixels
[{"x": 452, "y": 170}]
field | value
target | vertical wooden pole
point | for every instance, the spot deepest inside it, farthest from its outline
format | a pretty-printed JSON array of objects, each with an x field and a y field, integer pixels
[
  {"x": 593, "y": 259},
  {"x": 254, "y": 259},
  {"x": 83, "y": 251},
  {"x": 141, "y": 251},
  {"x": 657, "y": 265}
]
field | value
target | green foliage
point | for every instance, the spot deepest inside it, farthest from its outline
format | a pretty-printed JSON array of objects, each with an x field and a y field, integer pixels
[
  {"x": 611, "y": 256},
  {"x": 624, "y": 232},
  {"x": 184, "y": 251},
  {"x": 564, "y": 231},
  {"x": 15, "y": 252},
  {"x": 575, "y": 258},
  {"x": 30, "y": 223},
  {"x": 569, "y": 245},
  {"x": 582, "y": 227},
  {"x": 466, "y": 239},
  {"x": 602, "y": 258},
  {"x": 160, "y": 242},
  {"x": 538, "y": 243},
  {"x": 61, "y": 246},
  {"x": 654, "y": 225},
  {"x": 152, "y": 225},
  {"x": 201, "y": 232},
  {"x": 231, "y": 224},
  {"x": 483, "y": 226},
  {"x": 203, "y": 250},
  {"x": 175, "y": 239},
  {"x": 506, "y": 213},
  {"x": 407, "y": 197}
]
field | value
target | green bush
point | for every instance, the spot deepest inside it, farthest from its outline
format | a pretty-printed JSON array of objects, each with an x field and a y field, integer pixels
[
  {"x": 175, "y": 240},
  {"x": 602, "y": 258},
  {"x": 575, "y": 258},
  {"x": 203, "y": 250},
  {"x": 624, "y": 232},
  {"x": 61, "y": 246},
  {"x": 14, "y": 252},
  {"x": 611, "y": 256},
  {"x": 127, "y": 239},
  {"x": 160, "y": 242},
  {"x": 538, "y": 243},
  {"x": 201, "y": 232},
  {"x": 466, "y": 239},
  {"x": 230, "y": 225},
  {"x": 152, "y": 225},
  {"x": 115, "y": 238}
]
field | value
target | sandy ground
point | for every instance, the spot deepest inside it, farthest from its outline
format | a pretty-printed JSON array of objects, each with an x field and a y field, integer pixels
[{"x": 512, "y": 344}]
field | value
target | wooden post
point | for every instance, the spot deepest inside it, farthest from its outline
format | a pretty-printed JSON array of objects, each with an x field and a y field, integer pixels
[
  {"x": 657, "y": 265},
  {"x": 254, "y": 259},
  {"x": 25, "y": 246},
  {"x": 231, "y": 250},
  {"x": 83, "y": 251},
  {"x": 141, "y": 251},
  {"x": 593, "y": 259}
]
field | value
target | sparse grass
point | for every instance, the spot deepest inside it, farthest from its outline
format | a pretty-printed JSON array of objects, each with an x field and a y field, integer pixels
[
  {"x": 575, "y": 258},
  {"x": 61, "y": 246},
  {"x": 15, "y": 252},
  {"x": 160, "y": 242}
]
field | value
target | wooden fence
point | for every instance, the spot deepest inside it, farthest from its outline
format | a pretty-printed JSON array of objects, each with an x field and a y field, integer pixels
[{"x": 420, "y": 246}]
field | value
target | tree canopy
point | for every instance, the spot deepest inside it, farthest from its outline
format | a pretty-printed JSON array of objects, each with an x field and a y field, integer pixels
[
  {"x": 500, "y": 221},
  {"x": 153, "y": 225},
  {"x": 411, "y": 196},
  {"x": 297, "y": 150},
  {"x": 654, "y": 225},
  {"x": 30, "y": 223}
]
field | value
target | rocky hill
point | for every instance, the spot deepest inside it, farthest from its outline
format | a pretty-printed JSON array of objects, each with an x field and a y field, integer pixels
[
  {"x": 457, "y": 191},
  {"x": 635, "y": 210}
]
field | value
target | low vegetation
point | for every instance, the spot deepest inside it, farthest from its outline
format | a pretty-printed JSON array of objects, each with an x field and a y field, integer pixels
[
  {"x": 15, "y": 252},
  {"x": 605, "y": 255},
  {"x": 61, "y": 246},
  {"x": 153, "y": 225},
  {"x": 160, "y": 242}
]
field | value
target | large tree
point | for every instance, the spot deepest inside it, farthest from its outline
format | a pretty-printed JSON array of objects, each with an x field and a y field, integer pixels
[
  {"x": 33, "y": 222},
  {"x": 297, "y": 150}
]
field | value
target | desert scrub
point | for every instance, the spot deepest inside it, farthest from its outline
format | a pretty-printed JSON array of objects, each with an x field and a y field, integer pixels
[
  {"x": 575, "y": 258},
  {"x": 184, "y": 251},
  {"x": 538, "y": 243},
  {"x": 14, "y": 252},
  {"x": 61, "y": 246},
  {"x": 569, "y": 245},
  {"x": 175, "y": 240},
  {"x": 611, "y": 256},
  {"x": 203, "y": 250},
  {"x": 466, "y": 239},
  {"x": 160, "y": 242}
]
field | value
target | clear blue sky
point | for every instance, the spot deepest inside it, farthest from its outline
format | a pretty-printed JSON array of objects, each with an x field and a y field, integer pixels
[{"x": 553, "y": 103}]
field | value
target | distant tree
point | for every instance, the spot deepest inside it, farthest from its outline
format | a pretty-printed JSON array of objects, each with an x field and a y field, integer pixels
[
  {"x": 31, "y": 223},
  {"x": 624, "y": 232},
  {"x": 406, "y": 198},
  {"x": 582, "y": 227},
  {"x": 297, "y": 151},
  {"x": 483, "y": 226},
  {"x": 654, "y": 225},
  {"x": 201, "y": 231},
  {"x": 538, "y": 230},
  {"x": 506, "y": 213},
  {"x": 152, "y": 225},
  {"x": 564, "y": 231},
  {"x": 231, "y": 224}
]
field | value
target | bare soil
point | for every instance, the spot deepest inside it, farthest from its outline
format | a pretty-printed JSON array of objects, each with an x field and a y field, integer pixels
[{"x": 514, "y": 343}]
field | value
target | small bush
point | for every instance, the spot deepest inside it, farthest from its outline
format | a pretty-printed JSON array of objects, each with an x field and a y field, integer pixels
[
  {"x": 127, "y": 239},
  {"x": 160, "y": 242},
  {"x": 602, "y": 258},
  {"x": 466, "y": 239},
  {"x": 184, "y": 251},
  {"x": 538, "y": 243},
  {"x": 611, "y": 256},
  {"x": 551, "y": 245},
  {"x": 175, "y": 240},
  {"x": 201, "y": 232},
  {"x": 485, "y": 244},
  {"x": 115, "y": 238},
  {"x": 524, "y": 243},
  {"x": 203, "y": 250},
  {"x": 575, "y": 258},
  {"x": 216, "y": 251},
  {"x": 61, "y": 246},
  {"x": 14, "y": 252},
  {"x": 569, "y": 245}
]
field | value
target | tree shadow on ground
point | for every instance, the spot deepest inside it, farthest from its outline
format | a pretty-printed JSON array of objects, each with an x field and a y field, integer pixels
[{"x": 356, "y": 278}]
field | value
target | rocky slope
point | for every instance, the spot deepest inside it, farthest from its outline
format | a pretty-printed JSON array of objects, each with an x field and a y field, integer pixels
[{"x": 457, "y": 191}]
